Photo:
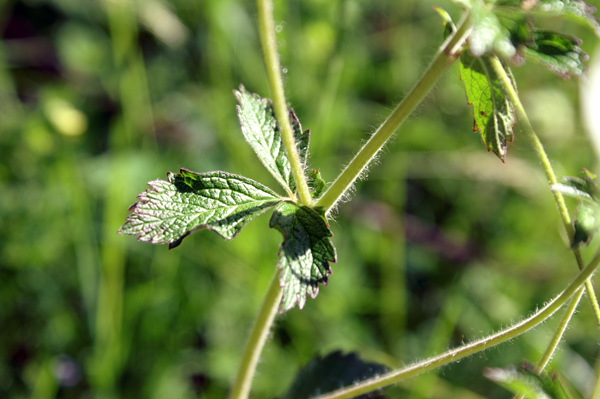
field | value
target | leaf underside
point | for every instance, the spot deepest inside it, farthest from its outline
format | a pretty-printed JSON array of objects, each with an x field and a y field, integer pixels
[
  {"x": 305, "y": 253},
  {"x": 493, "y": 113},
  {"x": 172, "y": 209}
]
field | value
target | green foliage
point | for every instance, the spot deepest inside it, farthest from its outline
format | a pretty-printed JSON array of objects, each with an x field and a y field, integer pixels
[
  {"x": 188, "y": 201},
  {"x": 305, "y": 253},
  {"x": 586, "y": 191},
  {"x": 147, "y": 88},
  {"x": 261, "y": 131},
  {"x": 493, "y": 112}
]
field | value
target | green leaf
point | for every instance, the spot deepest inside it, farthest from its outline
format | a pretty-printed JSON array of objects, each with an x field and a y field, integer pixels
[
  {"x": 261, "y": 131},
  {"x": 334, "y": 371},
  {"x": 222, "y": 202},
  {"x": 305, "y": 253},
  {"x": 558, "y": 52},
  {"x": 585, "y": 224},
  {"x": 527, "y": 383},
  {"x": 447, "y": 23},
  {"x": 574, "y": 9},
  {"x": 570, "y": 190},
  {"x": 493, "y": 113},
  {"x": 316, "y": 184}
]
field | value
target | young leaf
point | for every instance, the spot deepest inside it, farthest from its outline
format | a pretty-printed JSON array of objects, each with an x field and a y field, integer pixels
[
  {"x": 558, "y": 52},
  {"x": 587, "y": 221},
  {"x": 574, "y": 9},
  {"x": 334, "y": 371},
  {"x": 525, "y": 382},
  {"x": 493, "y": 112},
  {"x": 260, "y": 129},
  {"x": 170, "y": 210},
  {"x": 305, "y": 253}
]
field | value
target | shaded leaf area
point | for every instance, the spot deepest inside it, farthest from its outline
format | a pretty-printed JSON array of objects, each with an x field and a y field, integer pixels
[
  {"x": 558, "y": 52},
  {"x": 170, "y": 210},
  {"x": 493, "y": 113},
  {"x": 525, "y": 382},
  {"x": 305, "y": 253},
  {"x": 261, "y": 131},
  {"x": 334, "y": 371},
  {"x": 587, "y": 219}
]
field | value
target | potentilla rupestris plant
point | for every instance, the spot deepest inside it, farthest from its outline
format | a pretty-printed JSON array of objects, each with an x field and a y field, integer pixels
[{"x": 491, "y": 37}]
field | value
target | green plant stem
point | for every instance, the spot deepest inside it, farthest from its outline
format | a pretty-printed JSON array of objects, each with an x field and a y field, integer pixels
[
  {"x": 445, "y": 56},
  {"x": 558, "y": 334},
  {"x": 257, "y": 339},
  {"x": 595, "y": 394},
  {"x": 266, "y": 27},
  {"x": 547, "y": 165},
  {"x": 472, "y": 348}
]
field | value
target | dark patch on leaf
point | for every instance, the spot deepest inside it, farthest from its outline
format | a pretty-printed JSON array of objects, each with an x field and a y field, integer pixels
[
  {"x": 332, "y": 372},
  {"x": 305, "y": 253}
]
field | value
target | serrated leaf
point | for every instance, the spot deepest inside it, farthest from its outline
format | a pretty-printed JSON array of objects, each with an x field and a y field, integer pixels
[
  {"x": 493, "y": 113},
  {"x": 575, "y": 9},
  {"x": 334, "y": 371},
  {"x": 261, "y": 131},
  {"x": 305, "y": 253},
  {"x": 172, "y": 209},
  {"x": 558, "y": 52}
]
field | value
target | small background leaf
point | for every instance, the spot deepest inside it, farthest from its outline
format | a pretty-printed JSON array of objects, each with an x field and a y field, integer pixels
[
  {"x": 261, "y": 131},
  {"x": 334, "y": 371},
  {"x": 170, "y": 210},
  {"x": 305, "y": 253}
]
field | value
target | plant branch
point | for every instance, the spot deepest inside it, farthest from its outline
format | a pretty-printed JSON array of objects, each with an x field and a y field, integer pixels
[
  {"x": 472, "y": 348},
  {"x": 547, "y": 165},
  {"x": 266, "y": 27},
  {"x": 256, "y": 340},
  {"x": 558, "y": 334},
  {"x": 445, "y": 56}
]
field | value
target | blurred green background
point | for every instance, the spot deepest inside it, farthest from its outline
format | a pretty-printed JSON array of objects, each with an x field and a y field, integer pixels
[{"x": 444, "y": 243}]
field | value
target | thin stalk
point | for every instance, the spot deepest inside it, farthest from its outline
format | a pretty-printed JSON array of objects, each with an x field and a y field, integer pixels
[
  {"x": 445, "y": 56},
  {"x": 558, "y": 334},
  {"x": 595, "y": 394},
  {"x": 472, "y": 348},
  {"x": 547, "y": 165},
  {"x": 266, "y": 27},
  {"x": 256, "y": 340}
]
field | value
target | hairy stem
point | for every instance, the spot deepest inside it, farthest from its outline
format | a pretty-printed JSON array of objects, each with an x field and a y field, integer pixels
[
  {"x": 445, "y": 56},
  {"x": 256, "y": 340},
  {"x": 547, "y": 165},
  {"x": 471, "y": 348},
  {"x": 266, "y": 27},
  {"x": 558, "y": 334}
]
